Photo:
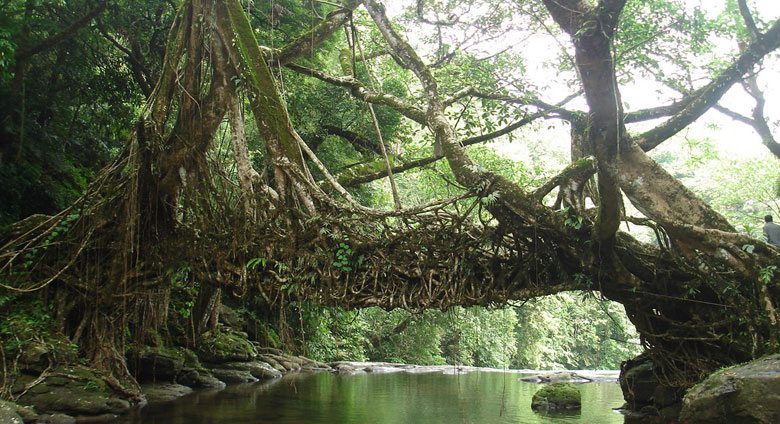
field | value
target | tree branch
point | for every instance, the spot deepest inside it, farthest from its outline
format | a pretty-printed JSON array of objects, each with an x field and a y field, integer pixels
[
  {"x": 140, "y": 73},
  {"x": 750, "y": 23},
  {"x": 306, "y": 42},
  {"x": 706, "y": 97},
  {"x": 361, "y": 92},
  {"x": 361, "y": 143},
  {"x": 26, "y": 52},
  {"x": 580, "y": 170}
]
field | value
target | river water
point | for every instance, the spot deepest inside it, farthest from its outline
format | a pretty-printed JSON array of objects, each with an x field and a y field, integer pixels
[{"x": 476, "y": 397}]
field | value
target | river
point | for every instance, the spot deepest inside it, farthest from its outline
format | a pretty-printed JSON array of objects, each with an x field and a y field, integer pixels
[{"x": 476, "y": 397}]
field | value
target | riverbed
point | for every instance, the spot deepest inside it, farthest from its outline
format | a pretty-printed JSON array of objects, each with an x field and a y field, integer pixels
[{"x": 399, "y": 397}]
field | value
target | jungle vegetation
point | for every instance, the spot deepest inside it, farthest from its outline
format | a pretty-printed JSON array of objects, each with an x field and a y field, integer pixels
[{"x": 305, "y": 159}]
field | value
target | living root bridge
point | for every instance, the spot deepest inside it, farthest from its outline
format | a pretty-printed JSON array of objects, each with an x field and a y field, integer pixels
[
  {"x": 167, "y": 210},
  {"x": 434, "y": 259}
]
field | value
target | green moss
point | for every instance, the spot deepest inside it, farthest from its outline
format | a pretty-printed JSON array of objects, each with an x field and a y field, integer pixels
[
  {"x": 265, "y": 100},
  {"x": 217, "y": 346},
  {"x": 57, "y": 381},
  {"x": 345, "y": 59},
  {"x": 557, "y": 396}
]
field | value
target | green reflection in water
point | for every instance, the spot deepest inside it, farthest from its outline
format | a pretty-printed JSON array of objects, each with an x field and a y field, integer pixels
[{"x": 477, "y": 397}]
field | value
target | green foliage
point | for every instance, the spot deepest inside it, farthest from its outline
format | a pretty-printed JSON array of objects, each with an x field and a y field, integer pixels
[
  {"x": 480, "y": 337},
  {"x": 343, "y": 256},
  {"x": 26, "y": 321},
  {"x": 21, "y": 325},
  {"x": 574, "y": 222},
  {"x": 573, "y": 331},
  {"x": 569, "y": 330},
  {"x": 742, "y": 190},
  {"x": 661, "y": 39},
  {"x": 332, "y": 333},
  {"x": 184, "y": 291},
  {"x": 253, "y": 263},
  {"x": 417, "y": 342},
  {"x": 73, "y": 108},
  {"x": 767, "y": 273}
]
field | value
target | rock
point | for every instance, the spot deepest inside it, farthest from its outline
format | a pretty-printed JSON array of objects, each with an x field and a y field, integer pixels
[
  {"x": 56, "y": 419},
  {"x": 158, "y": 365},
  {"x": 271, "y": 350},
  {"x": 273, "y": 363},
  {"x": 223, "y": 346},
  {"x": 230, "y": 317},
  {"x": 348, "y": 369},
  {"x": 261, "y": 370},
  {"x": 747, "y": 393},
  {"x": 38, "y": 355},
  {"x": 199, "y": 379},
  {"x": 293, "y": 363},
  {"x": 670, "y": 413},
  {"x": 164, "y": 392},
  {"x": 73, "y": 391},
  {"x": 638, "y": 382},
  {"x": 9, "y": 415},
  {"x": 233, "y": 376},
  {"x": 557, "y": 396},
  {"x": 664, "y": 396},
  {"x": 26, "y": 413},
  {"x": 34, "y": 354},
  {"x": 557, "y": 377},
  {"x": 383, "y": 370},
  {"x": 291, "y": 366}
]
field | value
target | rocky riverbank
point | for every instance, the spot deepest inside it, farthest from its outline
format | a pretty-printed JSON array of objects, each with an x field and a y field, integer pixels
[
  {"x": 74, "y": 393},
  {"x": 52, "y": 388}
]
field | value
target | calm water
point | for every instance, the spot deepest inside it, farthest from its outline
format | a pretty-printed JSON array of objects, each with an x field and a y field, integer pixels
[{"x": 478, "y": 397}]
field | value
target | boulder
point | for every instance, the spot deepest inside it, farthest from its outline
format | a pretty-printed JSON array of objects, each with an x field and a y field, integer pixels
[
  {"x": 38, "y": 356},
  {"x": 557, "y": 377},
  {"x": 273, "y": 363},
  {"x": 9, "y": 410},
  {"x": 199, "y": 378},
  {"x": 747, "y": 393},
  {"x": 556, "y": 397},
  {"x": 348, "y": 369},
  {"x": 383, "y": 370},
  {"x": 8, "y": 415},
  {"x": 230, "y": 317},
  {"x": 233, "y": 376},
  {"x": 223, "y": 346},
  {"x": 74, "y": 391},
  {"x": 158, "y": 365},
  {"x": 56, "y": 419},
  {"x": 261, "y": 370},
  {"x": 164, "y": 392},
  {"x": 638, "y": 382}
]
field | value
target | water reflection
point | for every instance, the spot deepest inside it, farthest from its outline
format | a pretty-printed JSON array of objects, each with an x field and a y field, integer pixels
[{"x": 478, "y": 397}]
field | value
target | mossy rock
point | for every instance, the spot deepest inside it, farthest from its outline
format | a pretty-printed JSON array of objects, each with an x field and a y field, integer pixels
[
  {"x": 231, "y": 317},
  {"x": 75, "y": 391},
  {"x": 12, "y": 413},
  {"x": 164, "y": 392},
  {"x": 157, "y": 364},
  {"x": 219, "y": 347},
  {"x": 557, "y": 396},
  {"x": 639, "y": 383},
  {"x": 38, "y": 356},
  {"x": 746, "y": 393}
]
